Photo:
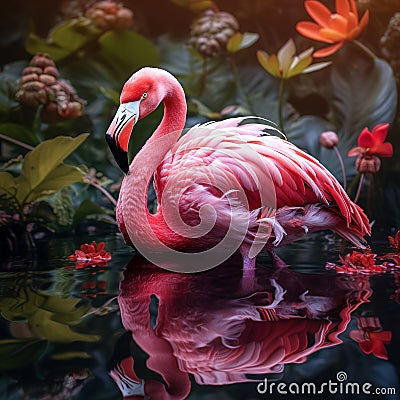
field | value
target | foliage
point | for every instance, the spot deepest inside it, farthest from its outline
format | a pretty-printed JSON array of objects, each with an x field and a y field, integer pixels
[{"x": 357, "y": 90}]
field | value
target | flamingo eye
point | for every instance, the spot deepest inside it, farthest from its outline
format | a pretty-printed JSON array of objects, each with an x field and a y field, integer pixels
[{"x": 144, "y": 95}]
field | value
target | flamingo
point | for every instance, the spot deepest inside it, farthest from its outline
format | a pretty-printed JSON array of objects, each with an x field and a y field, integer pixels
[{"x": 255, "y": 186}]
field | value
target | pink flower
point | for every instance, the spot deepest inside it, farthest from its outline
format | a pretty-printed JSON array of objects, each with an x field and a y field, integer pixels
[
  {"x": 90, "y": 254},
  {"x": 373, "y": 143}
]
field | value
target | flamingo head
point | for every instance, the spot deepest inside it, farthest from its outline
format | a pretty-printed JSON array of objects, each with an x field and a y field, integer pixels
[{"x": 141, "y": 95}]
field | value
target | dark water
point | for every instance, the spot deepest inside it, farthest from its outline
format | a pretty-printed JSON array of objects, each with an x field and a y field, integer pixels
[{"x": 129, "y": 328}]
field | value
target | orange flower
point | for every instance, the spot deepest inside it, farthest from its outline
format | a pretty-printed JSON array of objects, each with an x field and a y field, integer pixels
[
  {"x": 336, "y": 28},
  {"x": 372, "y": 143}
]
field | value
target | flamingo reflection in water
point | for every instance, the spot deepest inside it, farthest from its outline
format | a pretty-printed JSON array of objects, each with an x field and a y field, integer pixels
[{"x": 206, "y": 325}]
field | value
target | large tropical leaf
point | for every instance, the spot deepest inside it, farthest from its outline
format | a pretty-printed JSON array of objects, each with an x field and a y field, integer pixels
[
  {"x": 42, "y": 163},
  {"x": 18, "y": 132},
  {"x": 60, "y": 177},
  {"x": 64, "y": 39},
  {"x": 305, "y": 133},
  {"x": 210, "y": 81},
  {"x": 88, "y": 209},
  {"x": 18, "y": 353},
  {"x": 127, "y": 51},
  {"x": 44, "y": 326},
  {"x": 364, "y": 95},
  {"x": 261, "y": 90},
  {"x": 8, "y": 184}
]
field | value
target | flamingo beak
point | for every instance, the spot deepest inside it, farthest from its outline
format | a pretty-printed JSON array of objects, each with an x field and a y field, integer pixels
[{"x": 120, "y": 130}]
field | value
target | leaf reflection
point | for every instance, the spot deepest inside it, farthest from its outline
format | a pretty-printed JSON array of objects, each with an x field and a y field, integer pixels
[{"x": 220, "y": 331}]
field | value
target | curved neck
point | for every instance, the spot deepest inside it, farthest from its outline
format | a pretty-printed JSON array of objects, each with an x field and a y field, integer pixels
[
  {"x": 174, "y": 117},
  {"x": 133, "y": 196}
]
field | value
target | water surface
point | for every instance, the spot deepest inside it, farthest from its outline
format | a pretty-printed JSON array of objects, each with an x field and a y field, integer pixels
[{"x": 131, "y": 329}]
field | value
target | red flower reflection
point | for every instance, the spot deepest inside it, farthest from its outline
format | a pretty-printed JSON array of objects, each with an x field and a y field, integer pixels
[
  {"x": 372, "y": 143},
  {"x": 90, "y": 254},
  {"x": 396, "y": 295},
  {"x": 93, "y": 288},
  {"x": 392, "y": 260},
  {"x": 358, "y": 263},
  {"x": 371, "y": 337},
  {"x": 395, "y": 242}
]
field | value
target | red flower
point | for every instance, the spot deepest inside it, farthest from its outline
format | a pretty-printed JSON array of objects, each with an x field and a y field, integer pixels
[
  {"x": 370, "y": 337},
  {"x": 90, "y": 254},
  {"x": 372, "y": 143},
  {"x": 395, "y": 242},
  {"x": 392, "y": 260},
  {"x": 357, "y": 263}
]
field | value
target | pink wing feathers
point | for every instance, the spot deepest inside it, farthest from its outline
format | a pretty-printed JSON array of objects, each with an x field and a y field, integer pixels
[{"x": 298, "y": 178}]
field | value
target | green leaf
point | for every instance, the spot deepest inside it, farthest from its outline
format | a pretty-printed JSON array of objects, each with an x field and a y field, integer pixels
[
  {"x": 74, "y": 34},
  {"x": 261, "y": 90},
  {"x": 43, "y": 326},
  {"x": 248, "y": 40},
  {"x": 305, "y": 133},
  {"x": 8, "y": 185},
  {"x": 88, "y": 209},
  {"x": 241, "y": 41},
  {"x": 364, "y": 95},
  {"x": 46, "y": 158},
  {"x": 18, "y": 132},
  {"x": 56, "y": 212},
  {"x": 18, "y": 353},
  {"x": 34, "y": 44},
  {"x": 198, "y": 107},
  {"x": 128, "y": 50},
  {"x": 234, "y": 42},
  {"x": 56, "y": 179},
  {"x": 111, "y": 94},
  {"x": 64, "y": 39},
  {"x": 69, "y": 355}
]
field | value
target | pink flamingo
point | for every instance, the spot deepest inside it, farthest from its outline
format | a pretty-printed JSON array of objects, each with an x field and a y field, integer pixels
[{"x": 263, "y": 181}]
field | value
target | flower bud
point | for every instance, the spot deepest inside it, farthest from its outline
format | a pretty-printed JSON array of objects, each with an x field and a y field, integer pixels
[
  {"x": 42, "y": 60},
  {"x": 39, "y": 85},
  {"x": 211, "y": 30},
  {"x": 329, "y": 139},
  {"x": 108, "y": 14},
  {"x": 368, "y": 164}
]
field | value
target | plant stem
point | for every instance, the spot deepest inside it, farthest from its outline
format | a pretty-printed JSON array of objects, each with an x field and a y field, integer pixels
[
  {"x": 236, "y": 77},
  {"x": 360, "y": 184},
  {"x": 280, "y": 106},
  {"x": 104, "y": 191},
  {"x": 341, "y": 166},
  {"x": 364, "y": 48},
  {"x": 203, "y": 79},
  {"x": 17, "y": 142}
]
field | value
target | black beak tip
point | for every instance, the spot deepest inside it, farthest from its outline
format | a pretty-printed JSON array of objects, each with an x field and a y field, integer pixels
[{"x": 120, "y": 156}]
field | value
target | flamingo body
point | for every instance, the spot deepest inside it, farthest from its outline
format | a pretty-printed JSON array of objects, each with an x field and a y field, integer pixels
[{"x": 255, "y": 173}]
